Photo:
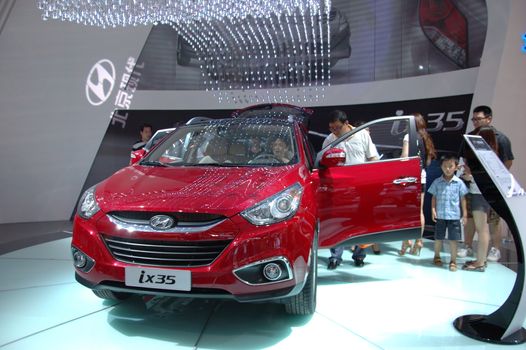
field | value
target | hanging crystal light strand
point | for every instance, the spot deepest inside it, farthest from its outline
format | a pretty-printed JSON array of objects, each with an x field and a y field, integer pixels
[
  {"x": 328, "y": 5},
  {"x": 240, "y": 44}
]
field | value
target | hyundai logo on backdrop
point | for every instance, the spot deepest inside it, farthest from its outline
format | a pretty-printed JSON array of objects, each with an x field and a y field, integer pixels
[
  {"x": 161, "y": 222},
  {"x": 100, "y": 82}
]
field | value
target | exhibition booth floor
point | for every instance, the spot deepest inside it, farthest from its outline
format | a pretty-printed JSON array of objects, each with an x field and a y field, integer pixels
[{"x": 392, "y": 302}]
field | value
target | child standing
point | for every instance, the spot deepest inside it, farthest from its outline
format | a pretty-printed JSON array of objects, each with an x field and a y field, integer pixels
[{"x": 448, "y": 195}]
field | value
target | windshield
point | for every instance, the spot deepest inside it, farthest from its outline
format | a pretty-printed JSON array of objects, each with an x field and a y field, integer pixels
[
  {"x": 227, "y": 143},
  {"x": 158, "y": 136}
]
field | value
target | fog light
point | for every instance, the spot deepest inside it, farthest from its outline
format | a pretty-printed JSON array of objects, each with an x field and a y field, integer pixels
[
  {"x": 272, "y": 271},
  {"x": 79, "y": 259},
  {"x": 82, "y": 261}
]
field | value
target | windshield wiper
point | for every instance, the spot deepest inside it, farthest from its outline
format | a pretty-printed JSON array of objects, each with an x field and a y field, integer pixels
[
  {"x": 226, "y": 165},
  {"x": 153, "y": 163}
]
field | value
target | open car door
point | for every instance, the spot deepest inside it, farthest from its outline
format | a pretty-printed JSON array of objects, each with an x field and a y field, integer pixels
[{"x": 375, "y": 201}]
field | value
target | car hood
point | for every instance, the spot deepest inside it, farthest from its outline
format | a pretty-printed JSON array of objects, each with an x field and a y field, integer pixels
[{"x": 214, "y": 190}]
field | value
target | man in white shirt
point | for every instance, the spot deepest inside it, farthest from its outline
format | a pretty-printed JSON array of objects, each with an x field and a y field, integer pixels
[{"x": 359, "y": 148}]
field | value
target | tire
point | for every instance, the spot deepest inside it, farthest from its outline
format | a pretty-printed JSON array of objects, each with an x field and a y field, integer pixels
[
  {"x": 110, "y": 295},
  {"x": 304, "y": 303}
]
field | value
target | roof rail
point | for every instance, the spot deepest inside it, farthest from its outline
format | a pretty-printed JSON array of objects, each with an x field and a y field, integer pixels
[{"x": 196, "y": 120}]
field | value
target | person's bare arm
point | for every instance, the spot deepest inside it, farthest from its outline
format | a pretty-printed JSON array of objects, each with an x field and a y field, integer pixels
[
  {"x": 467, "y": 176},
  {"x": 405, "y": 149},
  {"x": 464, "y": 210}
]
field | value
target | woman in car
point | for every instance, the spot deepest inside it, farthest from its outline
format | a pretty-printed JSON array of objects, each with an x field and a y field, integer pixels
[{"x": 281, "y": 150}]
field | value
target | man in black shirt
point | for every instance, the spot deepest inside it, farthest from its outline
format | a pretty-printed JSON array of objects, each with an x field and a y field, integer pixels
[
  {"x": 145, "y": 134},
  {"x": 483, "y": 116}
]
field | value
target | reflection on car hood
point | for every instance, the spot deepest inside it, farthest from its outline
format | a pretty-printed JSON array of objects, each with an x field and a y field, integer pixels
[{"x": 215, "y": 190}]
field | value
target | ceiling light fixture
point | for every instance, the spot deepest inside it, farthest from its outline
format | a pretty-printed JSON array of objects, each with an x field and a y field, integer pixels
[{"x": 270, "y": 46}]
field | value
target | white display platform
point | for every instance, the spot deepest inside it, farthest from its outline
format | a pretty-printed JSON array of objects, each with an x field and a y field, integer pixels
[{"x": 393, "y": 302}]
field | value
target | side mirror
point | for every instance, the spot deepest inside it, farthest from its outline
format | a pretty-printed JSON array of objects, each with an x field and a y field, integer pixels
[
  {"x": 333, "y": 157},
  {"x": 137, "y": 155}
]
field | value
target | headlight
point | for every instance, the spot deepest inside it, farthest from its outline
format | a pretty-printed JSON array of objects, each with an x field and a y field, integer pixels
[
  {"x": 88, "y": 204},
  {"x": 279, "y": 207}
]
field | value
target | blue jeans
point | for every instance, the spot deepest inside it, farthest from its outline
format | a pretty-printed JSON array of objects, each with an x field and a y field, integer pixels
[{"x": 358, "y": 254}]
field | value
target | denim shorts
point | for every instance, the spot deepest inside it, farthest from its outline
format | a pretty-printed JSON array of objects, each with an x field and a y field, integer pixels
[
  {"x": 453, "y": 229},
  {"x": 478, "y": 203}
]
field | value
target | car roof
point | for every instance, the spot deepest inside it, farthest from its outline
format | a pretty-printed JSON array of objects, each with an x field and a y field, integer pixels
[
  {"x": 276, "y": 111},
  {"x": 252, "y": 120}
]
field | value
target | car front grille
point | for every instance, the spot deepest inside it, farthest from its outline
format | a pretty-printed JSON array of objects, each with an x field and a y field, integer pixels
[
  {"x": 145, "y": 216},
  {"x": 182, "y": 222},
  {"x": 165, "y": 253}
]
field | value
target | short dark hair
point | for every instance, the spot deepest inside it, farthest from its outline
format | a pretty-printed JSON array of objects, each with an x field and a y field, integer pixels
[
  {"x": 486, "y": 110},
  {"x": 448, "y": 157},
  {"x": 145, "y": 125},
  {"x": 338, "y": 116}
]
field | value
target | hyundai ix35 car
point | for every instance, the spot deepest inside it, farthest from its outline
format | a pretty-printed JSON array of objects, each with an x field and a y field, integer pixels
[{"x": 208, "y": 214}]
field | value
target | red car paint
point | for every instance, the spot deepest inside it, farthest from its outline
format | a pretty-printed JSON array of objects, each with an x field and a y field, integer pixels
[{"x": 338, "y": 205}]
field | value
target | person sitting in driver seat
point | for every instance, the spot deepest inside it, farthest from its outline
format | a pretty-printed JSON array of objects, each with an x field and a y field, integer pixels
[
  {"x": 216, "y": 152},
  {"x": 254, "y": 147}
]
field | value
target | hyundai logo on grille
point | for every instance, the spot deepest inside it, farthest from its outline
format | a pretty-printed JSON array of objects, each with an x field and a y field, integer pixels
[
  {"x": 100, "y": 81},
  {"x": 161, "y": 222}
]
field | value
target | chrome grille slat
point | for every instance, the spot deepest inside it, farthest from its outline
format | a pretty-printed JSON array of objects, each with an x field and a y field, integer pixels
[
  {"x": 146, "y": 258},
  {"x": 116, "y": 248},
  {"x": 179, "y": 223},
  {"x": 170, "y": 245},
  {"x": 183, "y": 219},
  {"x": 144, "y": 226},
  {"x": 164, "y": 253}
]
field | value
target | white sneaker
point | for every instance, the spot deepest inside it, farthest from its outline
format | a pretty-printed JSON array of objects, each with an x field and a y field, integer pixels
[
  {"x": 463, "y": 252},
  {"x": 469, "y": 251},
  {"x": 494, "y": 254}
]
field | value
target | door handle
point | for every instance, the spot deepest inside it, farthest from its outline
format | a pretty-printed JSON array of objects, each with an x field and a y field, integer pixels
[{"x": 405, "y": 180}]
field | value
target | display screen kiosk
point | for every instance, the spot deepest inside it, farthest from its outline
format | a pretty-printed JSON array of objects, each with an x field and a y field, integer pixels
[{"x": 506, "y": 197}]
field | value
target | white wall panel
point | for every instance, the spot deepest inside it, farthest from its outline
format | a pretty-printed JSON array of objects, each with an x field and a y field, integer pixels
[{"x": 50, "y": 133}]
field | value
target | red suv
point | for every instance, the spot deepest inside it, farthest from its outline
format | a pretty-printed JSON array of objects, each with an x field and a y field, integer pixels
[{"x": 237, "y": 208}]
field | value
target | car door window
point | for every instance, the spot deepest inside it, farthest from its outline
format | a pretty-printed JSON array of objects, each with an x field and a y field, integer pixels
[
  {"x": 378, "y": 141},
  {"x": 388, "y": 137},
  {"x": 308, "y": 149}
]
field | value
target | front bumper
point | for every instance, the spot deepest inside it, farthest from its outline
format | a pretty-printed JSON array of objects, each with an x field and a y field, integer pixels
[{"x": 249, "y": 244}]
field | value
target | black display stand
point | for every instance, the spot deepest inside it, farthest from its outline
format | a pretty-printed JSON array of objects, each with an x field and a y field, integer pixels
[{"x": 504, "y": 326}]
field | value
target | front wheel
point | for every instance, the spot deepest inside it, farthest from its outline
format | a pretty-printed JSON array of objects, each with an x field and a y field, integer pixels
[
  {"x": 110, "y": 295},
  {"x": 304, "y": 303}
]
